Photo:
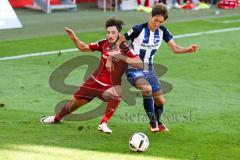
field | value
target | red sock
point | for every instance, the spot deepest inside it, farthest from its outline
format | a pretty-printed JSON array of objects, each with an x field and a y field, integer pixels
[
  {"x": 147, "y": 3},
  {"x": 139, "y": 2},
  {"x": 64, "y": 111},
  {"x": 111, "y": 108}
]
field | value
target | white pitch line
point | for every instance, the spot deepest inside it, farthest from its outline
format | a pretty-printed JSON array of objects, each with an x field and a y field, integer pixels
[
  {"x": 224, "y": 22},
  {"x": 207, "y": 32},
  {"x": 232, "y": 21},
  {"x": 75, "y": 49},
  {"x": 38, "y": 54}
]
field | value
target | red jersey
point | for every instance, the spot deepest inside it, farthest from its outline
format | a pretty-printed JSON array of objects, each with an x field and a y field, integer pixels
[{"x": 102, "y": 75}]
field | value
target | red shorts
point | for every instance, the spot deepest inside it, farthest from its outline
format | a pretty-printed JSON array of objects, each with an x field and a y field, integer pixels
[{"x": 91, "y": 89}]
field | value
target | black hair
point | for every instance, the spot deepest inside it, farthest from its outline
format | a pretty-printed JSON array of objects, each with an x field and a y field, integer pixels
[
  {"x": 114, "y": 22},
  {"x": 160, "y": 9}
]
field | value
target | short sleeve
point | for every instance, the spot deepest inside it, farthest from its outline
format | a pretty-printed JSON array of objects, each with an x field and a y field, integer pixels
[
  {"x": 167, "y": 36},
  {"x": 133, "y": 32},
  {"x": 96, "y": 46},
  {"x": 126, "y": 49}
]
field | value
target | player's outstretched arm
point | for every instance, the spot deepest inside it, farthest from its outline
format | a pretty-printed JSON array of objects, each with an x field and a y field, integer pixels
[
  {"x": 179, "y": 49},
  {"x": 79, "y": 44}
]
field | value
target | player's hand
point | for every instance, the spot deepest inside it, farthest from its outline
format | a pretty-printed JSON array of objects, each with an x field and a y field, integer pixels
[
  {"x": 70, "y": 33},
  {"x": 115, "y": 51},
  {"x": 109, "y": 64},
  {"x": 193, "y": 48}
]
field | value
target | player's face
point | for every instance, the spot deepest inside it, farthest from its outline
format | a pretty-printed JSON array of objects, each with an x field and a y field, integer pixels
[
  {"x": 112, "y": 34},
  {"x": 156, "y": 21}
]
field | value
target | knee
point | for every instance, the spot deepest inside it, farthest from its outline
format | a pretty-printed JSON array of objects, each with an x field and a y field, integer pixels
[
  {"x": 162, "y": 101},
  {"x": 159, "y": 101},
  {"x": 116, "y": 94},
  {"x": 147, "y": 90},
  {"x": 119, "y": 92},
  {"x": 75, "y": 101}
]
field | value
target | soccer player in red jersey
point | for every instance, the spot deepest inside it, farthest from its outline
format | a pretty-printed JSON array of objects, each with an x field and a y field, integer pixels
[{"x": 105, "y": 82}]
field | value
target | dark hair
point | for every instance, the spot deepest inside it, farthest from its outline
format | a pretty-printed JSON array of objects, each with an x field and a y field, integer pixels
[
  {"x": 160, "y": 9},
  {"x": 114, "y": 22}
]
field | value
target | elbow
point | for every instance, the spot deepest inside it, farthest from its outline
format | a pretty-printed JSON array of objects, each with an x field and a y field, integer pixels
[
  {"x": 82, "y": 49},
  {"x": 175, "y": 50}
]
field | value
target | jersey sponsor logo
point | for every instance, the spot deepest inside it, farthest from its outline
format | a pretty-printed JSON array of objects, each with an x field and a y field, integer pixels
[
  {"x": 130, "y": 32},
  {"x": 149, "y": 46}
]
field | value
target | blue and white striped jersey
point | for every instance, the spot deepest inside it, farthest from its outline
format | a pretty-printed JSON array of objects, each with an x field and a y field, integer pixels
[{"x": 146, "y": 42}]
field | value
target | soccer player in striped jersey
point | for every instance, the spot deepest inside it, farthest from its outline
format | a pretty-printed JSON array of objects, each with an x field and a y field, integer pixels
[
  {"x": 146, "y": 39},
  {"x": 105, "y": 82}
]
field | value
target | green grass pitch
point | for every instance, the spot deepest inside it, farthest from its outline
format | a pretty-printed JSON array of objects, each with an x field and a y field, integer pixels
[{"x": 202, "y": 111}]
